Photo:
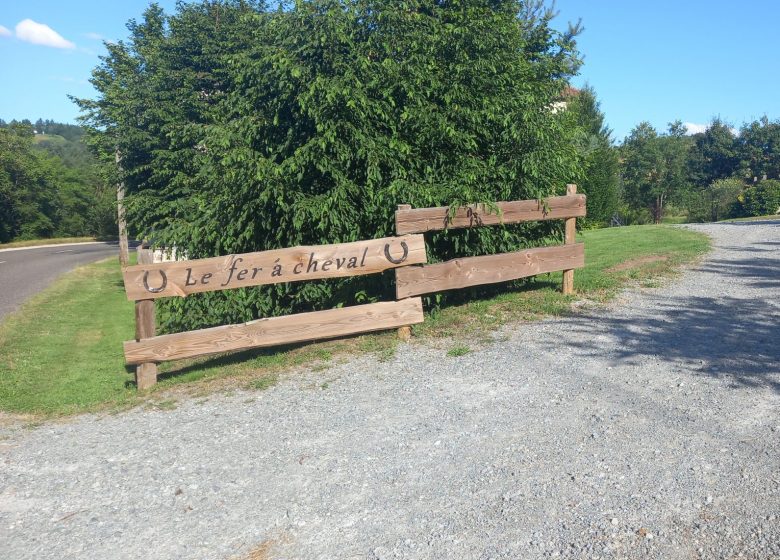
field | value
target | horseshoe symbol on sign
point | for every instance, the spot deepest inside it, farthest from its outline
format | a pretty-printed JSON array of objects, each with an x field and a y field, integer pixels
[
  {"x": 155, "y": 290},
  {"x": 404, "y": 246}
]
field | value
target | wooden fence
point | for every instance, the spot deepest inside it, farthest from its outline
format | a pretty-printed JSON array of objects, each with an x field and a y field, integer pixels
[
  {"x": 405, "y": 253},
  {"x": 490, "y": 269},
  {"x": 148, "y": 281}
]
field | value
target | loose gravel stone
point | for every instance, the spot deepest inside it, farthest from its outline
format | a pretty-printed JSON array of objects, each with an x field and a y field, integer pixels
[{"x": 648, "y": 429}]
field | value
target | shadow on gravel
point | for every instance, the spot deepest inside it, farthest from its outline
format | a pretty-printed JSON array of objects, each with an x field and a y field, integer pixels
[
  {"x": 771, "y": 222},
  {"x": 727, "y": 338},
  {"x": 758, "y": 272}
]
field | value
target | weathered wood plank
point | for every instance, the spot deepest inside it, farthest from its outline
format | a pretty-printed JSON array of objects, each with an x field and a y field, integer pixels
[
  {"x": 475, "y": 271},
  {"x": 420, "y": 220},
  {"x": 294, "y": 264},
  {"x": 569, "y": 239},
  {"x": 278, "y": 330}
]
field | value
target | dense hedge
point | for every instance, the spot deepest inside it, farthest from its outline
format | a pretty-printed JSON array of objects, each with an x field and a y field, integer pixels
[{"x": 246, "y": 129}]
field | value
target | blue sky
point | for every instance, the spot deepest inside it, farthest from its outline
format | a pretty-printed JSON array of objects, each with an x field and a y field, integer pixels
[{"x": 657, "y": 61}]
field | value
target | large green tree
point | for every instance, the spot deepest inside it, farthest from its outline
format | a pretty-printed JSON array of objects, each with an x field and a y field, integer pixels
[
  {"x": 28, "y": 193},
  {"x": 758, "y": 146},
  {"x": 714, "y": 155},
  {"x": 653, "y": 170},
  {"x": 243, "y": 129}
]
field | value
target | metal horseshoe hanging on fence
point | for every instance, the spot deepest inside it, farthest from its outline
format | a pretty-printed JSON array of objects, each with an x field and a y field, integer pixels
[
  {"x": 404, "y": 246},
  {"x": 155, "y": 290}
]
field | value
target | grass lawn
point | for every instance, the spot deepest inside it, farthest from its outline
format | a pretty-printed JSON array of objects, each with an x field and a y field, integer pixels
[
  {"x": 674, "y": 219},
  {"x": 52, "y": 241},
  {"x": 62, "y": 353}
]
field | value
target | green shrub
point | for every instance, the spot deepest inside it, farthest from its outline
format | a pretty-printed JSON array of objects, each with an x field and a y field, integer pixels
[
  {"x": 243, "y": 129},
  {"x": 761, "y": 199},
  {"x": 716, "y": 202}
]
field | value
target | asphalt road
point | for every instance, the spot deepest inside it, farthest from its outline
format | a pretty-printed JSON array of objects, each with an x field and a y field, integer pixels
[{"x": 25, "y": 272}]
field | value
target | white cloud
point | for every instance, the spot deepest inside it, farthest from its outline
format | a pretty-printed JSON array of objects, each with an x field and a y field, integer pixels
[
  {"x": 4, "y": 31},
  {"x": 694, "y": 128},
  {"x": 99, "y": 37},
  {"x": 41, "y": 34}
]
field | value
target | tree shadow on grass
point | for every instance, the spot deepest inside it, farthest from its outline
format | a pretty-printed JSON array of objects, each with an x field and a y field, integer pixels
[
  {"x": 182, "y": 367},
  {"x": 488, "y": 292},
  {"x": 728, "y": 338},
  {"x": 203, "y": 364}
]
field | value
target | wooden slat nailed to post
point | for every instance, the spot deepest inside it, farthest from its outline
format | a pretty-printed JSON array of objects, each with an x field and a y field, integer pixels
[
  {"x": 271, "y": 267},
  {"x": 278, "y": 330},
  {"x": 488, "y": 269},
  {"x": 145, "y": 372},
  {"x": 421, "y": 220},
  {"x": 569, "y": 239}
]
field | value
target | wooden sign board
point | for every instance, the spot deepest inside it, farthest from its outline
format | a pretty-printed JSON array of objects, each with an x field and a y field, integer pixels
[
  {"x": 420, "y": 220},
  {"x": 489, "y": 269},
  {"x": 294, "y": 264},
  {"x": 290, "y": 329}
]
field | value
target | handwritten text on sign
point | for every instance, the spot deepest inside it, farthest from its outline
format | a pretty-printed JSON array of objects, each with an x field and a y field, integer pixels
[{"x": 150, "y": 281}]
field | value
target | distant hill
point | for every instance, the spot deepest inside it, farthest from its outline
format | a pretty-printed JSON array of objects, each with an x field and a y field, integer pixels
[
  {"x": 50, "y": 183},
  {"x": 50, "y": 138}
]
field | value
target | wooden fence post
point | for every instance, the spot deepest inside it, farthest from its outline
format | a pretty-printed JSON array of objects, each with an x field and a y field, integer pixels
[
  {"x": 569, "y": 239},
  {"x": 405, "y": 332},
  {"x": 145, "y": 374}
]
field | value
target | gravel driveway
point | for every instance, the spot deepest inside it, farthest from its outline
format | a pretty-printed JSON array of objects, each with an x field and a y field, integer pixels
[{"x": 650, "y": 429}]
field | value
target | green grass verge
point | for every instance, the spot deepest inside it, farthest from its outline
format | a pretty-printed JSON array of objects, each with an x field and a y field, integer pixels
[
  {"x": 613, "y": 258},
  {"x": 674, "y": 219},
  {"x": 62, "y": 353},
  {"x": 53, "y": 241}
]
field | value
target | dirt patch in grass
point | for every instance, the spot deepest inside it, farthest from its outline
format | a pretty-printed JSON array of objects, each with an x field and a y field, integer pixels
[
  {"x": 263, "y": 550},
  {"x": 636, "y": 263}
]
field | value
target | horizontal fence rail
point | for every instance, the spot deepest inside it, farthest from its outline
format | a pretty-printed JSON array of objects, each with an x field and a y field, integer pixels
[
  {"x": 421, "y": 220},
  {"x": 296, "y": 264},
  {"x": 302, "y": 327},
  {"x": 488, "y": 269}
]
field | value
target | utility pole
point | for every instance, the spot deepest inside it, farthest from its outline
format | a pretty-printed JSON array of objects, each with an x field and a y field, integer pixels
[{"x": 120, "y": 211}]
